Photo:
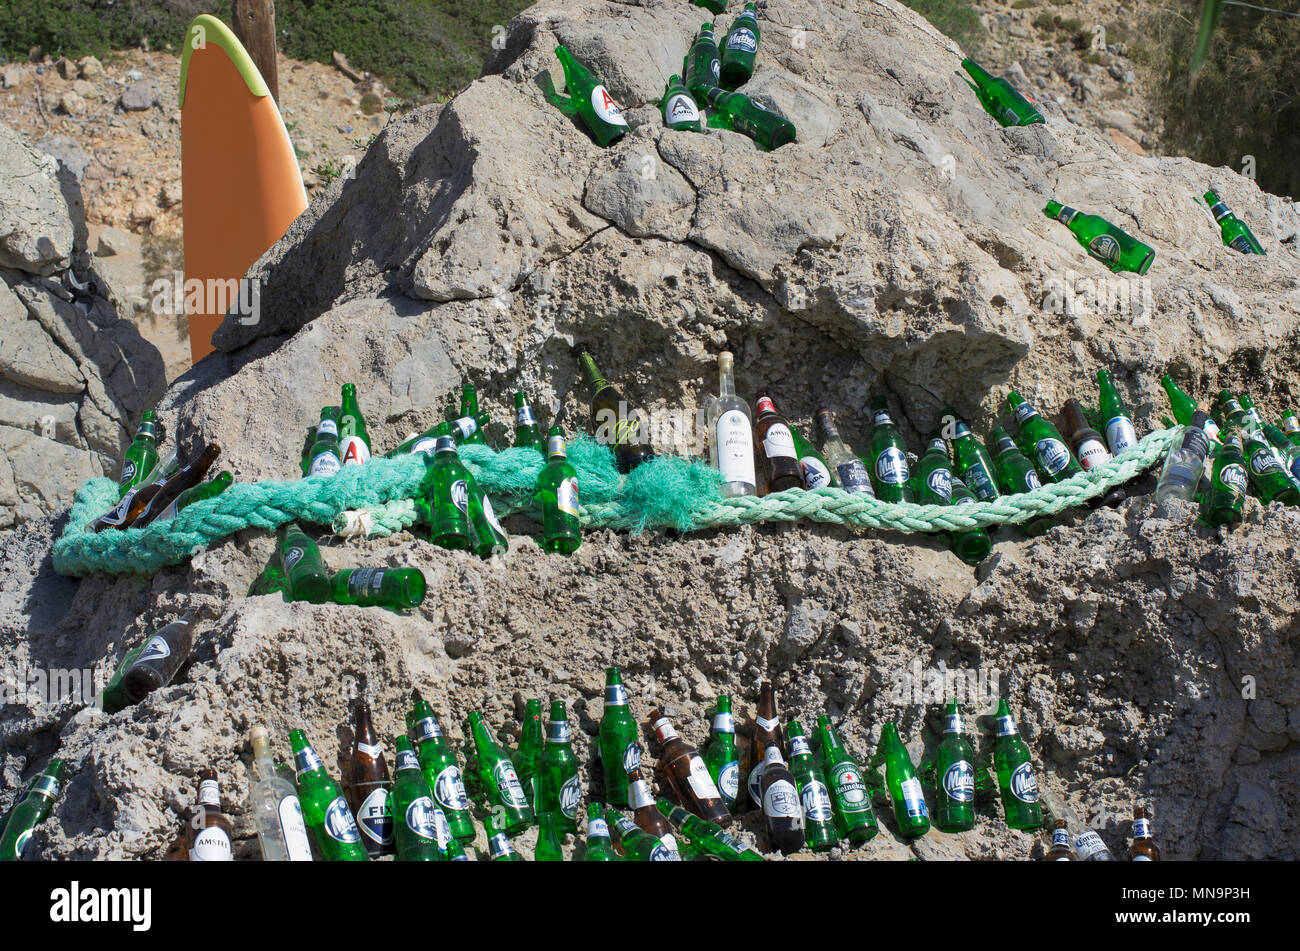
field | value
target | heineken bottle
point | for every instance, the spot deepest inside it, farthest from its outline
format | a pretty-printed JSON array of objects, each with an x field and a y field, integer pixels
[
  {"x": 1228, "y": 482},
  {"x": 460, "y": 430},
  {"x": 1269, "y": 474},
  {"x": 739, "y": 113},
  {"x": 818, "y": 811},
  {"x": 707, "y": 837},
  {"x": 141, "y": 456},
  {"x": 445, "y": 498},
  {"x": 548, "y": 848},
  {"x": 720, "y": 753},
  {"x": 971, "y": 545},
  {"x": 635, "y": 844},
  {"x": 499, "y": 847},
  {"x": 324, "y": 809},
  {"x": 619, "y": 750},
  {"x": 816, "y": 472},
  {"x": 1015, "y": 774},
  {"x": 324, "y": 454},
  {"x": 850, "y": 472},
  {"x": 438, "y": 764},
  {"x": 889, "y": 469},
  {"x": 33, "y": 809},
  {"x": 740, "y": 48},
  {"x": 999, "y": 98},
  {"x": 1290, "y": 425},
  {"x": 679, "y": 108},
  {"x": 528, "y": 758},
  {"x": 557, "y": 494},
  {"x": 731, "y": 434},
  {"x": 354, "y": 441},
  {"x": 499, "y": 779},
  {"x": 954, "y": 770},
  {"x": 1184, "y": 407},
  {"x": 303, "y": 568},
  {"x": 1112, "y": 246},
  {"x": 972, "y": 462},
  {"x": 469, "y": 410},
  {"x": 599, "y": 846},
  {"x": 591, "y": 101},
  {"x": 1184, "y": 462},
  {"x": 1050, "y": 452},
  {"x": 855, "y": 820},
  {"x": 910, "y": 811},
  {"x": 615, "y": 423},
  {"x": 1235, "y": 233},
  {"x": 199, "y": 493},
  {"x": 415, "y": 816},
  {"x": 703, "y": 67},
  {"x": 1118, "y": 423},
  {"x": 398, "y": 588},
  {"x": 528, "y": 435},
  {"x": 559, "y": 789}
]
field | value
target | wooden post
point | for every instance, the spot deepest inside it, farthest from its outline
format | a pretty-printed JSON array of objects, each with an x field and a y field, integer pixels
[{"x": 255, "y": 27}]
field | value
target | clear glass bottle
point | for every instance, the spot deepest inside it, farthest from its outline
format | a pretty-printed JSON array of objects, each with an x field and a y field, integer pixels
[
  {"x": 731, "y": 434},
  {"x": 273, "y": 804}
]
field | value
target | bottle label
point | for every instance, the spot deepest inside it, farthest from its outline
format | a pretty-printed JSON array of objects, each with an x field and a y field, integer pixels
[
  {"x": 406, "y": 759},
  {"x": 681, "y": 108},
  {"x": 566, "y": 496},
  {"x": 1090, "y": 847},
  {"x": 734, "y": 438},
  {"x": 700, "y": 781},
  {"x": 799, "y": 747},
  {"x": 209, "y": 794},
  {"x": 913, "y": 800},
  {"x": 743, "y": 40},
  {"x": 638, "y": 795},
  {"x": 427, "y": 729},
  {"x": 211, "y": 845},
  {"x": 1061, "y": 838},
  {"x": 460, "y": 495},
  {"x": 291, "y": 557},
  {"x": 1052, "y": 454},
  {"x": 816, "y": 801},
  {"x": 1195, "y": 440},
  {"x": 1006, "y": 726},
  {"x": 664, "y": 730},
  {"x": 891, "y": 466},
  {"x": 325, "y": 463},
  {"x": 781, "y": 801},
  {"x": 1105, "y": 248},
  {"x": 1233, "y": 476},
  {"x": 854, "y": 477},
  {"x": 779, "y": 444},
  {"x": 128, "y": 473},
  {"x": 597, "y": 829},
  {"x": 327, "y": 427},
  {"x": 557, "y": 731},
  {"x": 755, "y": 782},
  {"x": 631, "y": 757},
  {"x": 426, "y": 444},
  {"x": 156, "y": 649},
  {"x": 1023, "y": 785},
  {"x": 339, "y": 824},
  {"x": 449, "y": 789},
  {"x": 939, "y": 482},
  {"x": 1141, "y": 828},
  {"x": 118, "y": 513},
  {"x": 307, "y": 761},
  {"x": 1120, "y": 434},
  {"x": 354, "y": 451},
  {"x": 663, "y": 852},
  {"x": 952, "y": 723},
  {"x": 373, "y": 750},
  {"x": 729, "y": 780},
  {"x": 1290, "y": 425},
  {"x": 570, "y": 797},
  {"x": 524, "y": 417},
  {"x": 491, "y": 516},
  {"x": 441, "y": 829},
  {"x": 767, "y": 723},
  {"x": 419, "y": 818},
  {"x": 959, "y": 782},
  {"x": 365, "y": 582},
  {"x": 1032, "y": 481},
  {"x": 375, "y": 817},
  {"x": 815, "y": 474},
  {"x": 1263, "y": 462},
  {"x": 1092, "y": 453},
  {"x": 980, "y": 482},
  {"x": 850, "y": 790},
  {"x": 606, "y": 108},
  {"x": 499, "y": 846},
  {"x": 1147, "y": 858},
  {"x": 508, "y": 785},
  {"x": 467, "y": 426},
  {"x": 1024, "y": 412},
  {"x": 293, "y": 829},
  {"x": 724, "y": 722}
]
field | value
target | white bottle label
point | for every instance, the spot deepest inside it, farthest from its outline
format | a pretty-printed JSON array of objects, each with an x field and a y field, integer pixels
[
  {"x": 354, "y": 451},
  {"x": 374, "y": 817},
  {"x": 735, "y": 441},
  {"x": 293, "y": 829},
  {"x": 939, "y": 482},
  {"x": 729, "y": 780},
  {"x": 605, "y": 106},
  {"x": 1052, "y": 455},
  {"x": 326, "y": 463},
  {"x": 491, "y": 516},
  {"x": 1120, "y": 434},
  {"x": 913, "y": 800},
  {"x": 597, "y": 829},
  {"x": 508, "y": 785},
  {"x": 566, "y": 496},
  {"x": 155, "y": 649},
  {"x": 815, "y": 475},
  {"x": 1092, "y": 454},
  {"x": 570, "y": 796},
  {"x": 449, "y": 789},
  {"x": 891, "y": 466},
  {"x": 460, "y": 495},
  {"x": 327, "y": 426},
  {"x": 781, "y": 801},
  {"x": 700, "y": 781},
  {"x": 420, "y": 818},
  {"x": 1023, "y": 785},
  {"x": 682, "y": 108},
  {"x": 779, "y": 443},
  {"x": 211, "y": 845},
  {"x": 743, "y": 41},
  {"x": 1090, "y": 847},
  {"x": 959, "y": 782},
  {"x": 524, "y": 417},
  {"x": 339, "y": 824},
  {"x": 816, "y": 801}
]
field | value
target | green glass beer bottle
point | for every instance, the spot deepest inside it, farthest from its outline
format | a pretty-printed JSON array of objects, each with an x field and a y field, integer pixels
[
  {"x": 971, "y": 545},
  {"x": 739, "y": 113},
  {"x": 487, "y": 537},
  {"x": 460, "y": 430},
  {"x": 1287, "y": 451},
  {"x": 141, "y": 455},
  {"x": 300, "y": 558},
  {"x": 1112, "y": 246},
  {"x": 528, "y": 435},
  {"x": 1115, "y": 417},
  {"x": 889, "y": 471},
  {"x": 324, "y": 453},
  {"x": 707, "y": 837},
  {"x": 469, "y": 410},
  {"x": 999, "y": 98},
  {"x": 855, "y": 820},
  {"x": 557, "y": 494},
  {"x": 499, "y": 847},
  {"x": 1184, "y": 407},
  {"x": 615, "y": 423},
  {"x": 972, "y": 462},
  {"x": 818, "y": 810},
  {"x": 740, "y": 48},
  {"x": 414, "y": 823},
  {"x": 954, "y": 770},
  {"x": 1222, "y": 505},
  {"x": 591, "y": 100},
  {"x": 1269, "y": 474},
  {"x": 559, "y": 789},
  {"x": 441, "y": 772},
  {"x": 445, "y": 494},
  {"x": 354, "y": 441},
  {"x": 30, "y": 811},
  {"x": 499, "y": 779},
  {"x": 619, "y": 750},
  {"x": 679, "y": 108},
  {"x": 720, "y": 753},
  {"x": 1015, "y": 472},
  {"x": 934, "y": 473},
  {"x": 599, "y": 846},
  {"x": 549, "y": 847},
  {"x": 528, "y": 758},
  {"x": 1015, "y": 774},
  {"x": 910, "y": 811},
  {"x": 1235, "y": 233},
  {"x": 398, "y": 588},
  {"x": 1290, "y": 425},
  {"x": 1050, "y": 451},
  {"x": 324, "y": 809},
  {"x": 635, "y": 844},
  {"x": 816, "y": 471},
  {"x": 703, "y": 67},
  {"x": 713, "y": 6}
]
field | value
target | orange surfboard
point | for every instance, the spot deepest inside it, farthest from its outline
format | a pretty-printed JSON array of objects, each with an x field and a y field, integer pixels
[{"x": 240, "y": 179}]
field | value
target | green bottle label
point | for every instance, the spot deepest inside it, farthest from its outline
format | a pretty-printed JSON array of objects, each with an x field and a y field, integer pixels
[
  {"x": 508, "y": 785},
  {"x": 959, "y": 782},
  {"x": 1104, "y": 248},
  {"x": 850, "y": 790},
  {"x": 1234, "y": 477},
  {"x": 1052, "y": 454},
  {"x": 1263, "y": 462}
]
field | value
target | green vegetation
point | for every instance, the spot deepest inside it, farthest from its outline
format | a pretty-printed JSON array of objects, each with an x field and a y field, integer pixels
[{"x": 957, "y": 18}]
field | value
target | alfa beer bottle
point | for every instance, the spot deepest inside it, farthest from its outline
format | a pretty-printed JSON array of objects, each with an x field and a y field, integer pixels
[
  {"x": 850, "y": 472},
  {"x": 1228, "y": 481},
  {"x": 1112, "y": 246},
  {"x": 401, "y": 589},
  {"x": 591, "y": 100},
  {"x": 499, "y": 779},
  {"x": 999, "y": 98},
  {"x": 731, "y": 434},
  {"x": 445, "y": 494},
  {"x": 609, "y": 409},
  {"x": 688, "y": 774},
  {"x": 767, "y": 733},
  {"x": 739, "y": 113},
  {"x": 1184, "y": 463},
  {"x": 528, "y": 435},
  {"x": 855, "y": 819},
  {"x": 31, "y": 811},
  {"x": 954, "y": 768},
  {"x": 323, "y": 806},
  {"x": 635, "y": 844},
  {"x": 599, "y": 846},
  {"x": 559, "y": 789},
  {"x": 1120, "y": 434},
  {"x": 1050, "y": 452},
  {"x": 1235, "y": 233},
  {"x": 324, "y": 454},
  {"x": 1143, "y": 848},
  {"x": 212, "y": 832},
  {"x": 354, "y": 441},
  {"x": 815, "y": 799},
  {"x": 415, "y": 825},
  {"x": 740, "y": 48},
  {"x": 274, "y": 806},
  {"x": 720, "y": 753},
  {"x": 889, "y": 469},
  {"x": 158, "y": 662},
  {"x": 557, "y": 494},
  {"x": 910, "y": 811},
  {"x": 816, "y": 471},
  {"x": 782, "y": 810},
  {"x": 619, "y": 750},
  {"x": 141, "y": 456},
  {"x": 972, "y": 462},
  {"x": 679, "y": 107},
  {"x": 368, "y": 785},
  {"x": 1015, "y": 774},
  {"x": 441, "y": 772},
  {"x": 303, "y": 568},
  {"x": 780, "y": 461},
  {"x": 703, "y": 67},
  {"x": 707, "y": 837},
  {"x": 528, "y": 758}
]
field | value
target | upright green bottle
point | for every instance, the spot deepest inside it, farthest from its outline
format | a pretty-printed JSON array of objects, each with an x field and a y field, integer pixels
[
  {"x": 889, "y": 471},
  {"x": 528, "y": 758},
  {"x": 954, "y": 770},
  {"x": 707, "y": 837},
  {"x": 855, "y": 820},
  {"x": 972, "y": 462},
  {"x": 599, "y": 846},
  {"x": 703, "y": 67},
  {"x": 999, "y": 98},
  {"x": 324, "y": 809},
  {"x": 398, "y": 588},
  {"x": 445, "y": 498},
  {"x": 818, "y": 810},
  {"x": 1112, "y": 246},
  {"x": 469, "y": 410},
  {"x": 679, "y": 108},
  {"x": 141, "y": 455},
  {"x": 30, "y": 811},
  {"x": 1015, "y": 472},
  {"x": 637, "y": 845},
  {"x": 354, "y": 441},
  {"x": 740, "y": 48},
  {"x": 816, "y": 471},
  {"x": 415, "y": 816},
  {"x": 441, "y": 772},
  {"x": 324, "y": 453},
  {"x": 499, "y": 847},
  {"x": 1115, "y": 417},
  {"x": 548, "y": 848},
  {"x": 1235, "y": 233},
  {"x": 738, "y": 112},
  {"x": 934, "y": 473},
  {"x": 614, "y": 421},
  {"x": 619, "y": 750},
  {"x": 303, "y": 568},
  {"x": 971, "y": 545},
  {"x": 528, "y": 435},
  {"x": 1050, "y": 451},
  {"x": 720, "y": 753},
  {"x": 1268, "y": 471},
  {"x": 500, "y": 780},
  {"x": 557, "y": 494},
  {"x": 591, "y": 100},
  {"x": 559, "y": 789},
  {"x": 1222, "y": 505},
  {"x": 1015, "y": 774},
  {"x": 910, "y": 811}
]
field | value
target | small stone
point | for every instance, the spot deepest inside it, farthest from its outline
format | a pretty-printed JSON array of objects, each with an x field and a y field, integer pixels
[
  {"x": 91, "y": 68},
  {"x": 142, "y": 212},
  {"x": 66, "y": 68},
  {"x": 171, "y": 194},
  {"x": 72, "y": 104},
  {"x": 84, "y": 89},
  {"x": 112, "y": 241},
  {"x": 137, "y": 97},
  {"x": 13, "y": 78}
]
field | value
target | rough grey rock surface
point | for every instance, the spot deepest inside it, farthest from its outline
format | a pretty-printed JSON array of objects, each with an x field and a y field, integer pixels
[{"x": 899, "y": 248}]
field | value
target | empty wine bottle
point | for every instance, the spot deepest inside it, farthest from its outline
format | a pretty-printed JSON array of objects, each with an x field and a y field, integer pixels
[
  {"x": 1112, "y": 246},
  {"x": 731, "y": 434},
  {"x": 589, "y": 98},
  {"x": 274, "y": 806}
]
